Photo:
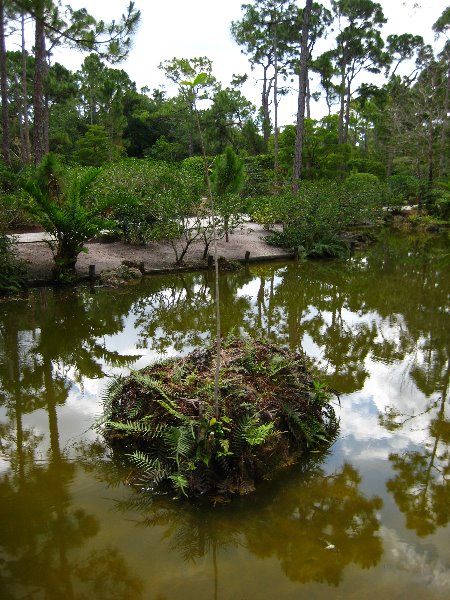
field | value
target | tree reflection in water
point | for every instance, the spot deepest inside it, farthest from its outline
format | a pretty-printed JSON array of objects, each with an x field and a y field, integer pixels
[
  {"x": 314, "y": 524},
  {"x": 421, "y": 485},
  {"x": 42, "y": 532},
  {"x": 387, "y": 305}
]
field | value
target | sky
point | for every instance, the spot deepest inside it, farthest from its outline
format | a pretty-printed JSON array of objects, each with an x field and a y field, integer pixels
[{"x": 177, "y": 28}]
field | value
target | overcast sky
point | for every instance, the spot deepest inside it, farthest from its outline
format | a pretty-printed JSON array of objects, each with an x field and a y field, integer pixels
[{"x": 177, "y": 28}]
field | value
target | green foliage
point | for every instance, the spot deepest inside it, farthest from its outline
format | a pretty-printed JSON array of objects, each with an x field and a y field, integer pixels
[
  {"x": 367, "y": 165},
  {"x": 59, "y": 201},
  {"x": 404, "y": 189},
  {"x": 95, "y": 148},
  {"x": 12, "y": 270},
  {"x": 227, "y": 179},
  {"x": 163, "y": 417},
  {"x": 151, "y": 199},
  {"x": 364, "y": 197},
  {"x": 439, "y": 203},
  {"x": 260, "y": 175},
  {"x": 313, "y": 220},
  {"x": 228, "y": 175}
]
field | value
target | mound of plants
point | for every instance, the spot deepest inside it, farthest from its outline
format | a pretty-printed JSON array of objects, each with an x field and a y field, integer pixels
[{"x": 163, "y": 420}]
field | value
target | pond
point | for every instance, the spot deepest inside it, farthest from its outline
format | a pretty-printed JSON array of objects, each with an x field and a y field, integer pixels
[{"x": 368, "y": 519}]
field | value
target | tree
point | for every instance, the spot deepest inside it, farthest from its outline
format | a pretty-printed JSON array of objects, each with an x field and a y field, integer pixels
[
  {"x": 94, "y": 148},
  {"x": 77, "y": 29},
  {"x": 359, "y": 47},
  {"x": 303, "y": 75},
  {"x": 180, "y": 70},
  {"x": 3, "y": 86},
  {"x": 229, "y": 122},
  {"x": 267, "y": 32},
  {"x": 442, "y": 27}
]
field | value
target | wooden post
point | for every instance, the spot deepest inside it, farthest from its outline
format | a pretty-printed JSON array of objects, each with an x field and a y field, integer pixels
[
  {"x": 210, "y": 262},
  {"x": 142, "y": 268},
  {"x": 247, "y": 257},
  {"x": 92, "y": 272}
]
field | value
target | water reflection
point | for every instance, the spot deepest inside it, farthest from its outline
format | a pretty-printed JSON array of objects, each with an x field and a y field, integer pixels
[
  {"x": 421, "y": 485},
  {"x": 378, "y": 325},
  {"x": 314, "y": 524},
  {"x": 41, "y": 529}
]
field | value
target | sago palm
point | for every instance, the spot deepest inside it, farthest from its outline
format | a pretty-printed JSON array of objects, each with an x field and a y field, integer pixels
[{"x": 60, "y": 201}]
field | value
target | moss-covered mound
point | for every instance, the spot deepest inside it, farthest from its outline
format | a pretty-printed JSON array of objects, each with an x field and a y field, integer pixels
[{"x": 271, "y": 411}]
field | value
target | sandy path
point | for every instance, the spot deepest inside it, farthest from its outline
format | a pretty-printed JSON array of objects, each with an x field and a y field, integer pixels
[{"x": 156, "y": 255}]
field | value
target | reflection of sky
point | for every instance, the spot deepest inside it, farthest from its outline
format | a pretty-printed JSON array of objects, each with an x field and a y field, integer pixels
[{"x": 363, "y": 441}]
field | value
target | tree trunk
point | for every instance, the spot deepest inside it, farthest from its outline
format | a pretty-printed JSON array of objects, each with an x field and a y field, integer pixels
[
  {"x": 430, "y": 150},
  {"x": 46, "y": 110},
  {"x": 308, "y": 99},
  {"x": 275, "y": 101},
  {"x": 18, "y": 101},
  {"x": 26, "y": 149},
  {"x": 342, "y": 107},
  {"x": 443, "y": 142},
  {"x": 347, "y": 116},
  {"x": 390, "y": 163},
  {"x": 303, "y": 76},
  {"x": 39, "y": 74},
  {"x": 265, "y": 109},
  {"x": 4, "y": 88}
]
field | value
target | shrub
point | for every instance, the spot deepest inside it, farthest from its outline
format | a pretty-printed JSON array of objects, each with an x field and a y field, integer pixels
[
  {"x": 314, "y": 219},
  {"x": 260, "y": 176},
  {"x": 366, "y": 165},
  {"x": 439, "y": 203},
  {"x": 227, "y": 180},
  {"x": 12, "y": 270},
  {"x": 59, "y": 201},
  {"x": 404, "y": 189},
  {"x": 363, "y": 199}
]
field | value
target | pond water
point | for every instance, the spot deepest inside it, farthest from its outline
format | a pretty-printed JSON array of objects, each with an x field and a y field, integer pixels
[{"x": 368, "y": 519}]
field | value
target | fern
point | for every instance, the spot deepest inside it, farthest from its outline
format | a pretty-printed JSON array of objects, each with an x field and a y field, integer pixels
[
  {"x": 141, "y": 427},
  {"x": 250, "y": 431},
  {"x": 149, "y": 383},
  {"x": 181, "y": 442},
  {"x": 112, "y": 393},
  {"x": 180, "y": 482},
  {"x": 150, "y": 468},
  {"x": 258, "y": 434}
]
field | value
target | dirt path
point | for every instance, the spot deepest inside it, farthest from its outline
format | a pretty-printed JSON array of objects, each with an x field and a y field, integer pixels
[{"x": 155, "y": 256}]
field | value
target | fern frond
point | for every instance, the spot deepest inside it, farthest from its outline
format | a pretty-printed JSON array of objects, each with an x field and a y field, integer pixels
[
  {"x": 180, "y": 482},
  {"x": 142, "y": 427},
  {"x": 112, "y": 393},
  {"x": 150, "y": 469},
  {"x": 181, "y": 441}
]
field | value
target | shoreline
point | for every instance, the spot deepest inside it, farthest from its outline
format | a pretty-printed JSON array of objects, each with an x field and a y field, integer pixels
[{"x": 247, "y": 245}]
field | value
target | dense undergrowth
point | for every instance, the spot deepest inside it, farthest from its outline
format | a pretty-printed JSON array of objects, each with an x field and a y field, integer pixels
[{"x": 161, "y": 419}]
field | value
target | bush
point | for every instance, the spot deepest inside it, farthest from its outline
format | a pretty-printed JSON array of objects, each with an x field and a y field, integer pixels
[
  {"x": 260, "y": 176},
  {"x": 314, "y": 219},
  {"x": 366, "y": 165},
  {"x": 12, "y": 270},
  {"x": 404, "y": 189},
  {"x": 59, "y": 199},
  {"x": 363, "y": 199},
  {"x": 144, "y": 194},
  {"x": 439, "y": 203}
]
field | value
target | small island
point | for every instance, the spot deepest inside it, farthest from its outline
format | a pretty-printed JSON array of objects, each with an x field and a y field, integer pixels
[{"x": 162, "y": 419}]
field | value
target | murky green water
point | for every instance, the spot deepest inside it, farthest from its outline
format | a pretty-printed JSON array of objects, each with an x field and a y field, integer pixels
[{"x": 369, "y": 520}]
